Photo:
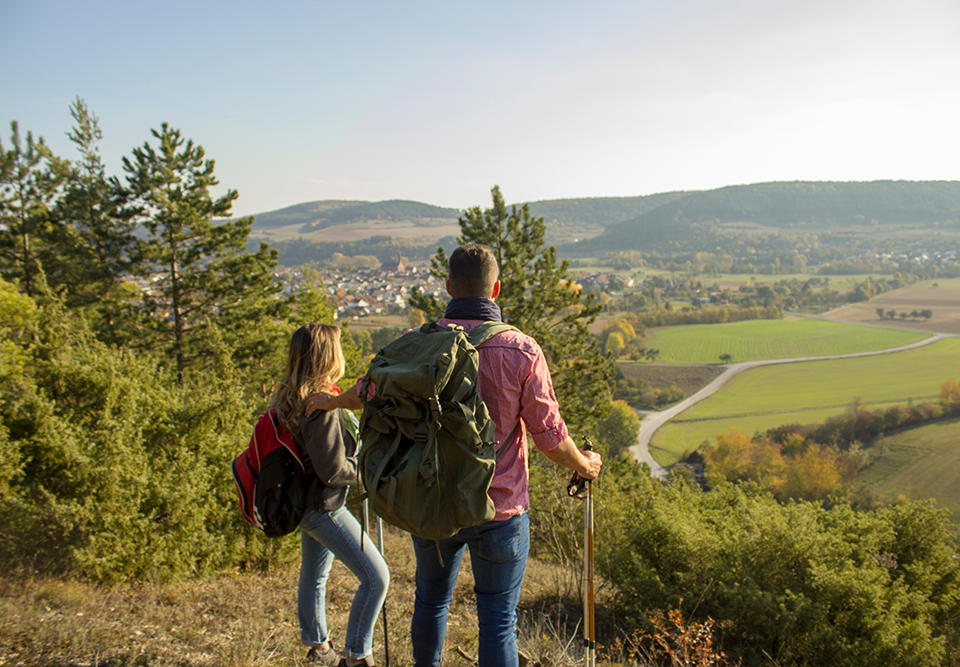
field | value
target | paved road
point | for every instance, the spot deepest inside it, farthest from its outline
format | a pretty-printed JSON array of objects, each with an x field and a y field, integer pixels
[{"x": 654, "y": 420}]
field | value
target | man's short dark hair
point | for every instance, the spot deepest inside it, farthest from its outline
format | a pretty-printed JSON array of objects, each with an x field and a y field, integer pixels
[{"x": 473, "y": 271}]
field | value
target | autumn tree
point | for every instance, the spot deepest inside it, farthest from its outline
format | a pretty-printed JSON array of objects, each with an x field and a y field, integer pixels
[
  {"x": 738, "y": 458},
  {"x": 950, "y": 391},
  {"x": 812, "y": 475}
]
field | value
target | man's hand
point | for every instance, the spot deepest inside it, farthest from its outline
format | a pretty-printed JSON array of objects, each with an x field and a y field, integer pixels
[
  {"x": 591, "y": 464},
  {"x": 566, "y": 454}
]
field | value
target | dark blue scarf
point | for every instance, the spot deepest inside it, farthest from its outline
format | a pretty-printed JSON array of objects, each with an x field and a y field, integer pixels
[{"x": 473, "y": 308}]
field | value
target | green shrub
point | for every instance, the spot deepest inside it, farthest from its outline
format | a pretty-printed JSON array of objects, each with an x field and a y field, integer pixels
[
  {"x": 122, "y": 471},
  {"x": 799, "y": 583}
]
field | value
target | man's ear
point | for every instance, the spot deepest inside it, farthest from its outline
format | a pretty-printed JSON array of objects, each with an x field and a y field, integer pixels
[
  {"x": 448, "y": 289},
  {"x": 496, "y": 290}
]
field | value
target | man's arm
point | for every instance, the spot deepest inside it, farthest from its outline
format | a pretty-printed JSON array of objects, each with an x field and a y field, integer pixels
[
  {"x": 349, "y": 399},
  {"x": 566, "y": 454}
]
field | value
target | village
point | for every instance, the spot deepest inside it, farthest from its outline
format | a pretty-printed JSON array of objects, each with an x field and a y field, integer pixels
[{"x": 385, "y": 290}]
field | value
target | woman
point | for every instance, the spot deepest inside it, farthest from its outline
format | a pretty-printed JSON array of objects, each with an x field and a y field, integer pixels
[{"x": 315, "y": 363}]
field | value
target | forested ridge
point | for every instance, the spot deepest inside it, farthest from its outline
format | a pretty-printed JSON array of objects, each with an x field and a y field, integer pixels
[
  {"x": 140, "y": 334},
  {"x": 814, "y": 218},
  {"x": 322, "y": 214},
  {"x": 798, "y": 206}
]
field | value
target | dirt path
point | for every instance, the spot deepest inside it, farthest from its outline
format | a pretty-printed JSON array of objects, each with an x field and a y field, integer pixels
[{"x": 654, "y": 420}]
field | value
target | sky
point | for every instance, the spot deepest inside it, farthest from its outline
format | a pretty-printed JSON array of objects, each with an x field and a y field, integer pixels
[{"x": 439, "y": 101}]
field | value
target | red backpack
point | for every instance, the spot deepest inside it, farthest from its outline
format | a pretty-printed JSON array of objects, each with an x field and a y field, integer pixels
[{"x": 270, "y": 478}]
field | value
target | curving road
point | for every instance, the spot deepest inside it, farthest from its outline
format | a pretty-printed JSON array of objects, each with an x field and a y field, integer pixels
[{"x": 654, "y": 420}]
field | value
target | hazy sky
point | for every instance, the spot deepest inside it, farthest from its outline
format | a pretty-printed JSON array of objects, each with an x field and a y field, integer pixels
[{"x": 439, "y": 101}]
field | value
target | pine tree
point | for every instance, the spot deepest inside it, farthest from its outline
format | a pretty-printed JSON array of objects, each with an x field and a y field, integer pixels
[
  {"x": 28, "y": 185},
  {"x": 538, "y": 297},
  {"x": 92, "y": 231},
  {"x": 200, "y": 270}
]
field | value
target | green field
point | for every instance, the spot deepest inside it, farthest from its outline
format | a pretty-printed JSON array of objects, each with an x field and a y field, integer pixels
[
  {"x": 772, "y": 339},
  {"x": 809, "y": 392},
  {"x": 920, "y": 463}
]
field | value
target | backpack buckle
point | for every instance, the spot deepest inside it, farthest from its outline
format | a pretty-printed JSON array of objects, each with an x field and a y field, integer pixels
[{"x": 421, "y": 433}]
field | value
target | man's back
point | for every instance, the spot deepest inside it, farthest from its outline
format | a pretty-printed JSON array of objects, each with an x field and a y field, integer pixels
[{"x": 515, "y": 384}]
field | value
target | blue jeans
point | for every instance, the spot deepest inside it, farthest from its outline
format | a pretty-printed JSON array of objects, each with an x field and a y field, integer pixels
[
  {"x": 324, "y": 535},
  {"x": 498, "y": 552}
]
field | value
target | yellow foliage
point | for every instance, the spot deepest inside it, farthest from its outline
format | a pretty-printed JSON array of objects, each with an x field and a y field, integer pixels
[
  {"x": 813, "y": 475},
  {"x": 615, "y": 344},
  {"x": 950, "y": 391}
]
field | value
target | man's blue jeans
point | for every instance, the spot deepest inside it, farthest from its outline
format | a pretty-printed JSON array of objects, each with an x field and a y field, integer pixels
[
  {"x": 498, "y": 553},
  {"x": 324, "y": 535}
]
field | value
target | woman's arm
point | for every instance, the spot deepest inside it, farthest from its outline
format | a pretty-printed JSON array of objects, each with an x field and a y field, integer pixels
[
  {"x": 349, "y": 399},
  {"x": 326, "y": 444}
]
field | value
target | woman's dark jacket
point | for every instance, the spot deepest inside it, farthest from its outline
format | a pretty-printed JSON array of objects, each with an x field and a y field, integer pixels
[{"x": 331, "y": 464}]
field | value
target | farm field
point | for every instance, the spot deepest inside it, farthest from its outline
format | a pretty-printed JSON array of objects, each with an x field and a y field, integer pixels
[
  {"x": 755, "y": 340},
  {"x": 942, "y": 296},
  {"x": 690, "y": 378},
  {"x": 919, "y": 463},
  {"x": 808, "y": 392}
]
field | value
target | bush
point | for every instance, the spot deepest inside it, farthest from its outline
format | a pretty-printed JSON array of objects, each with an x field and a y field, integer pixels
[
  {"x": 125, "y": 473},
  {"x": 797, "y": 583}
]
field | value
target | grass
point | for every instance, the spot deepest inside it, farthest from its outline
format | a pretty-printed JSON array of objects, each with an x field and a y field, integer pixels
[
  {"x": 775, "y": 395},
  {"x": 249, "y": 619},
  {"x": 772, "y": 339},
  {"x": 918, "y": 463}
]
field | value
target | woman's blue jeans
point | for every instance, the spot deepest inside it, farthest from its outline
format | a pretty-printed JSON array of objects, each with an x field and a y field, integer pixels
[
  {"x": 498, "y": 553},
  {"x": 323, "y": 536}
]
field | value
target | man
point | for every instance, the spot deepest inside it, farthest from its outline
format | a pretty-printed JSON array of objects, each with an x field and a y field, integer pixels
[{"x": 515, "y": 384}]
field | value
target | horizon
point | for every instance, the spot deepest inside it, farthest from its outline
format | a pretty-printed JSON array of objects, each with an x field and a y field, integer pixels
[{"x": 435, "y": 103}]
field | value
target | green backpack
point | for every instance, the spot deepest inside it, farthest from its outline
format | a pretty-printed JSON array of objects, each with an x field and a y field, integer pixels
[{"x": 429, "y": 449}]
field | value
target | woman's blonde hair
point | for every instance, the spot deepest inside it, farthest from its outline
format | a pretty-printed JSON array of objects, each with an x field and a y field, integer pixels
[{"x": 315, "y": 363}]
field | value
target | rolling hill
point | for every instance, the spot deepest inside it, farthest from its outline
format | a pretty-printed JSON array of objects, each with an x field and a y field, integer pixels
[
  {"x": 317, "y": 215},
  {"x": 698, "y": 220},
  {"x": 811, "y": 206}
]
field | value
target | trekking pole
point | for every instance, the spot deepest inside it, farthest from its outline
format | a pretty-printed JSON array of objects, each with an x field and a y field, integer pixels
[
  {"x": 591, "y": 639},
  {"x": 583, "y": 489},
  {"x": 386, "y": 634}
]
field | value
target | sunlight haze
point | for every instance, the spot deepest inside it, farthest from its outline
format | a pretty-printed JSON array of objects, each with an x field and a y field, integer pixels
[{"x": 437, "y": 102}]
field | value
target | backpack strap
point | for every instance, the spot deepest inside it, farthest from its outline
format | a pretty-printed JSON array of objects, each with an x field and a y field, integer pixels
[
  {"x": 481, "y": 334},
  {"x": 487, "y": 330}
]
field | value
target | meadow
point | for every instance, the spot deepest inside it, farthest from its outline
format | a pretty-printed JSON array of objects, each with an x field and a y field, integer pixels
[
  {"x": 755, "y": 340},
  {"x": 919, "y": 463},
  {"x": 808, "y": 392}
]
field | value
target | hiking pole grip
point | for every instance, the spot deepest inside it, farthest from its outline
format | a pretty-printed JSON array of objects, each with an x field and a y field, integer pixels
[{"x": 576, "y": 488}]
